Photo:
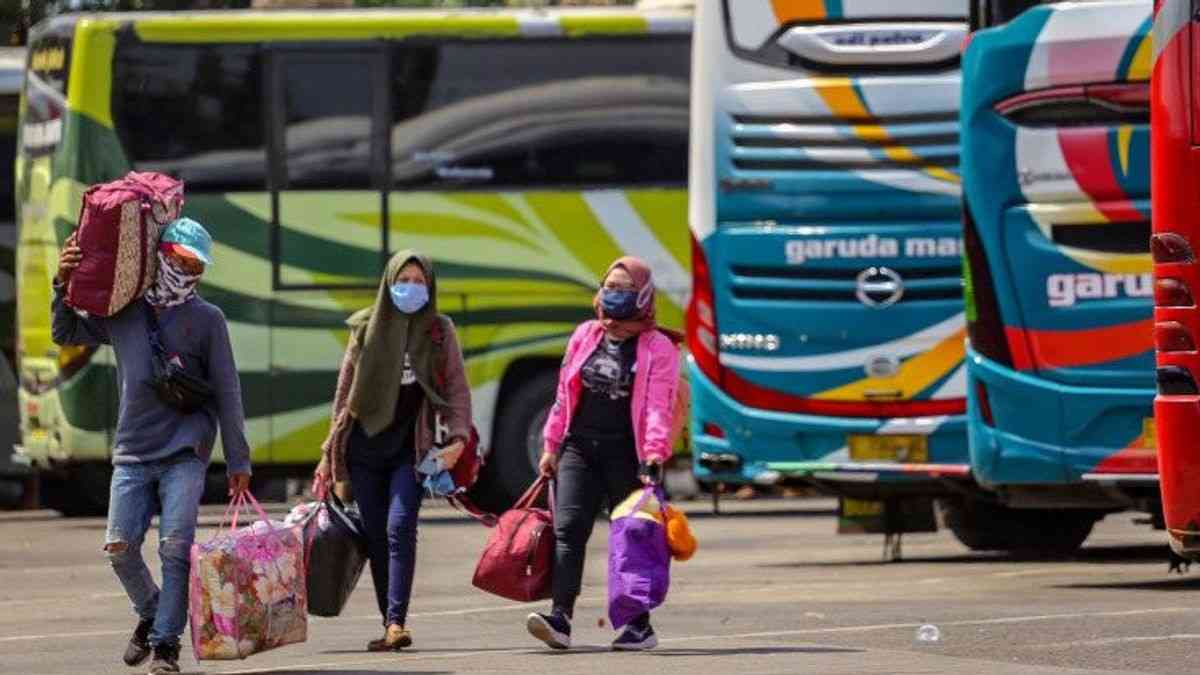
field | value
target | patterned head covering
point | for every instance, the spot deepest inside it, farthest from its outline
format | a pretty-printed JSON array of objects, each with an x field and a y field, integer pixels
[{"x": 172, "y": 286}]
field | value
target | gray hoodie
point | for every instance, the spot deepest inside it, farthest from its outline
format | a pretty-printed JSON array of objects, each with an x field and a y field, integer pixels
[{"x": 148, "y": 429}]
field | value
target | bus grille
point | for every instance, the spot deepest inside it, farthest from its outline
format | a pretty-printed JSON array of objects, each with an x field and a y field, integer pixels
[
  {"x": 839, "y": 285},
  {"x": 789, "y": 143}
]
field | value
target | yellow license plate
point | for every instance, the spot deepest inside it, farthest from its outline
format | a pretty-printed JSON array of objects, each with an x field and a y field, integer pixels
[{"x": 907, "y": 449}]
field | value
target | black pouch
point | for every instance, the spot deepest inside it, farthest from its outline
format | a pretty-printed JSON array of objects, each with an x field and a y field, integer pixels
[{"x": 174, "y": 385}]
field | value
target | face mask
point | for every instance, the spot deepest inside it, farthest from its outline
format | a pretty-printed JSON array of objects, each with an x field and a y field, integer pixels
[
  {"x": 409, "y": 297},
  {"x": 618, "y": 304}
]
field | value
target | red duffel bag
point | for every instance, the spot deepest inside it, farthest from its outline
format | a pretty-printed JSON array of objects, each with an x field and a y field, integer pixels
[
  {"x": 119, "y": 227},
  {"x": 518, "y": 560}
]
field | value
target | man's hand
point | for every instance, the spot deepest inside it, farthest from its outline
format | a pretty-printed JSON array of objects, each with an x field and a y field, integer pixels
[
  {"x": 451, "y": 454},
  {"x": 322, "y": 480},
  {"x": 68, "y": 260},
  {"x": 548, "y": 466},
  {"x": 239, "y": 484}
]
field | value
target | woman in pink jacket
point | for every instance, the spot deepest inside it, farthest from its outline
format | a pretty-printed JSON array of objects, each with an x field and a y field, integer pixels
[{"x": 612, "y": 413}]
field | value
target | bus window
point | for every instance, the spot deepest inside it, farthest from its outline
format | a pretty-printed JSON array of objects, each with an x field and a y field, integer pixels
[
  {"x": 192, "y": 111},
  {"x": 539, "y": 115},
  {"x": 328, "y": 163}
]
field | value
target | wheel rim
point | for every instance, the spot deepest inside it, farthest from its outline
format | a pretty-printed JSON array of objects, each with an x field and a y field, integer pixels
[{"x": 533, "y": 437}]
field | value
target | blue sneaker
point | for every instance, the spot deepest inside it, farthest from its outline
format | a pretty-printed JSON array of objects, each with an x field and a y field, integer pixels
[
  {"x": 636, "y": 639},
  {"x": 553, "y": 629}
]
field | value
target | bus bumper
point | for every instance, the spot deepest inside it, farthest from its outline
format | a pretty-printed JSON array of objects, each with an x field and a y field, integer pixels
[
  {"x": 766, "y": 447},
  {"x": 1047, "y": 434}
]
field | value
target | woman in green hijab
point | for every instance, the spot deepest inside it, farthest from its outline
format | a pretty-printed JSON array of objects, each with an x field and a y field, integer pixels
[{"x": 402, "y": 392}]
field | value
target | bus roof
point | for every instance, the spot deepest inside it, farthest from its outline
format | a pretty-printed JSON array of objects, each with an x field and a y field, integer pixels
[
  {"x": 358, "y": 24},
  {"x": 12, "y": 69}
]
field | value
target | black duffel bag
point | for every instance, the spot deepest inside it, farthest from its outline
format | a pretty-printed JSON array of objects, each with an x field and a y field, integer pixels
[{"x": 337, "y": 553}]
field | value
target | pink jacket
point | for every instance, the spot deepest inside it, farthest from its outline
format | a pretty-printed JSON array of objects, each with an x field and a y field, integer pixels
[{"x": 654, "y": 384}]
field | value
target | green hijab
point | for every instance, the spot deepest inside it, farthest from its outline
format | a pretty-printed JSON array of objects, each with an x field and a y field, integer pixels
[{"x": 384, "y": 334}]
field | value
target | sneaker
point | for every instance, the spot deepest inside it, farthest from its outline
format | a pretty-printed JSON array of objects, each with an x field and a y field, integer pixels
[
  {"x": 636, "y": 639},
  {"x": 166, "y": 659},
  {"x": 553, "y": 629},
  {"x": 138, "y": 649}
]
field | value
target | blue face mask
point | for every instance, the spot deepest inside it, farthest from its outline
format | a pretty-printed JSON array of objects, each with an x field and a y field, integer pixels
[
  {"x": 409, "y": 297},
  {"x": 618, "y": 304}
]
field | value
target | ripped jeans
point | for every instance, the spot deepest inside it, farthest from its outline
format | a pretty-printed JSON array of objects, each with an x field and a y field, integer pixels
[{"x": 171, "y": 487}]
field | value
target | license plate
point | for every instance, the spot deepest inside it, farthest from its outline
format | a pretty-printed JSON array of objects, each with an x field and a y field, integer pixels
[{"x": 908, "y": 449}]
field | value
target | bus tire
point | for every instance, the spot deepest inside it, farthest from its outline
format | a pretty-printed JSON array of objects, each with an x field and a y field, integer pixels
[
  {"x": 516, "y": 447},
  {"x": 981, "y": 526},
  {"x": 81, "y": 492}
]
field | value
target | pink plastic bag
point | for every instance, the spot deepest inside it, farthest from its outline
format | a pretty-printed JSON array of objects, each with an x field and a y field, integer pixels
[{"x": 247, "y": 587}]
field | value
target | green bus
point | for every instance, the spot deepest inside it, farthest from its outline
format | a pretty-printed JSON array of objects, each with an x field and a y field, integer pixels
[{"x": 523, "y": 150}]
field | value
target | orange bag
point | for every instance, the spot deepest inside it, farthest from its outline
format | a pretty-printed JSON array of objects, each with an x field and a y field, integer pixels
[{"x": 680, "y": 540}]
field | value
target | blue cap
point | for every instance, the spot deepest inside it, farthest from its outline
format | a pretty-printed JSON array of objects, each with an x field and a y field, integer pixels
[{"x": 188, "y": 237}]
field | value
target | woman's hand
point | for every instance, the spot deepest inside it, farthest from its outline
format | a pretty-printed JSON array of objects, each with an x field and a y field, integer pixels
[
  {"x": 322, "y": 479},
  {"x": 652, "y": 472},
  {"x": 451, "y": 454},
  {"x": 548, "y": 466}
]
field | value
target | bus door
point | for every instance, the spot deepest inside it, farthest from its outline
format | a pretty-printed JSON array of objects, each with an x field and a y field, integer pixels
[{"x": 328, "y": 118}]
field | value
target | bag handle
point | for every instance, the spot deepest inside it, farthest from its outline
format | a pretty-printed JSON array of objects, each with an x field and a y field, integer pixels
[
  {"x": 235, "y": 509},
  {"x": 533, "y": 493},
  {"x": 658, "y": 493}
]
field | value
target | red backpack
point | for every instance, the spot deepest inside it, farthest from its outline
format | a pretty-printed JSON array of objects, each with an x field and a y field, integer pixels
[
  {"x": 119, "y": 226},
  {"x": 518, "y": 560},
  {"x": 465, "y": 471}
]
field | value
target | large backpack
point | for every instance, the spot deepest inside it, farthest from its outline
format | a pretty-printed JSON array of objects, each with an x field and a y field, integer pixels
[{"x": 119, "y": 227}]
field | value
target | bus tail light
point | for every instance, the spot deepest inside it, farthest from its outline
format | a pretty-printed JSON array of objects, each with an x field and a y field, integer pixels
[
  {"x": 1172, "y": 336},
  {"x": 985, "y": 328},
  {"x": 1175, "y": 381},
  {"x": 714, "y": 430},
  {"x": 1170, "y": 292},
  {"x": 1169, "y": 247},
  {"x": 72, "y": 359},
  {"x": 702, "y": 318},
  {"x": 985, "y": 405}
]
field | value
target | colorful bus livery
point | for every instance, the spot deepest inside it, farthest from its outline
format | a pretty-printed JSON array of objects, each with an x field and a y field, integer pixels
[
  {"x": 523, "y": 151},
  {"x": 1056, "y": 180},
  {"x": 826, "y": 324},
  {"x": 1176, "y": 239}
]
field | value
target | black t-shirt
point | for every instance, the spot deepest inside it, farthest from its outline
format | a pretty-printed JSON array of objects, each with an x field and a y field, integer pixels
[
  {"x": 604, "y": 407},
  {"x": 395, "y": 443}
]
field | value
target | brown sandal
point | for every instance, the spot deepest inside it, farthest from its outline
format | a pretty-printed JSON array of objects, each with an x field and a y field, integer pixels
[{"x": 396, "y": 638}]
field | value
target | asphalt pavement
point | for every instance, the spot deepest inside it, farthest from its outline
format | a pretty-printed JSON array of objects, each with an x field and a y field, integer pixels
[{"x": 772, "y": 590}]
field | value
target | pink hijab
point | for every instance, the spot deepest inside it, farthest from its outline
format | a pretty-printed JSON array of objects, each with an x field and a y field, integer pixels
[{"x": 644, "y": 320}]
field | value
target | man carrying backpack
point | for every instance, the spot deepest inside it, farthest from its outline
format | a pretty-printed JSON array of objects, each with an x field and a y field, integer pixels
[{"x": 178, "y": 382}]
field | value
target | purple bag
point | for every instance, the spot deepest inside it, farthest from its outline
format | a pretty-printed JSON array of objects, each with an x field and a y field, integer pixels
[{"x": 639, "y": 562}]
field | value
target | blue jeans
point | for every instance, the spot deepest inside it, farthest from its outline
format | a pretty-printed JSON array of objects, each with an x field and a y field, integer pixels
[
  {"x": 389, "y": 499},
  {"x": 172, "y": 487}
]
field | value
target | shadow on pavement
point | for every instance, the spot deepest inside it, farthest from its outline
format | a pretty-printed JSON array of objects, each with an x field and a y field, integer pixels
[
  {"x": 1191, "y": 583},
  {"x": 754, "y": 651},
  {"x": 773, "y": 513},
  {"x": 1098, "y": 555}
]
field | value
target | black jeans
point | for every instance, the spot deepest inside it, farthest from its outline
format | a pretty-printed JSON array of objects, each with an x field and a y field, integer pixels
[{"x": 590, "y": 472}]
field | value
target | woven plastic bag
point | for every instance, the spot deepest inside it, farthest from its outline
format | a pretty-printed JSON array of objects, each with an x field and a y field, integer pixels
[{"x": 247, "y": 587}]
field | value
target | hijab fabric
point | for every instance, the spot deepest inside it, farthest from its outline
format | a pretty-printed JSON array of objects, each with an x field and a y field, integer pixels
[
  {"x": 385, "y": 335},
  {"x": 172, "y": 286},
  {"x": 643, "y": 284}
]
